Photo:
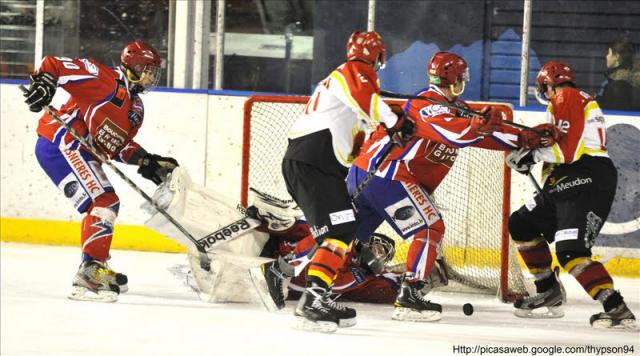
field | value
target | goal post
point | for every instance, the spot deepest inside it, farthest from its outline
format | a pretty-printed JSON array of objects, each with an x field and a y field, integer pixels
[{"x": 474, "y": 198}]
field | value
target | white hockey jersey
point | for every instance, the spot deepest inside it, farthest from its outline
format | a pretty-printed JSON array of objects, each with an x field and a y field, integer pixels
[{"x": 347, "y": 103}]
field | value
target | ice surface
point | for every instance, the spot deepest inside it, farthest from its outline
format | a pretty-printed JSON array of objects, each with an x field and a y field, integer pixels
[{"x": 160, "y": 315}]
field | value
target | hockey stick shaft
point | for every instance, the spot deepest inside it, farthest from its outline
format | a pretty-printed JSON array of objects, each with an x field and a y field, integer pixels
[
  {"x": 373, "y": 171},
  {"x": 204, "y": 259},
  {"x": 535, "y": 183},
  {"x": 457, "y": 107}
]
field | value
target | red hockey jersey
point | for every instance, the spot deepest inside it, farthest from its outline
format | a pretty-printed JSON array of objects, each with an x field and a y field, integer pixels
[
  {"x": 428, "y": 156},
  {"x": 582, "y": 123},
  {"x": 101, "y": 107}
]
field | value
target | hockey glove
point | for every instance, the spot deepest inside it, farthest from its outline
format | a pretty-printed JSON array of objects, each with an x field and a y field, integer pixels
[
  {"x": 544, "y": 135},
  {"x": 520, "y": 160},
  {"x": 276, "y": 214},
  {"x": 156, "y": 168},
  {"x": 40, "y": 93},
  {"x": 402, "y": 131},
  {"x": 486, "y": 123}
]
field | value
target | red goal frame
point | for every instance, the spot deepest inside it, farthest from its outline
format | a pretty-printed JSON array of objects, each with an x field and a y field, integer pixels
[{"x": 506, "y": 294}]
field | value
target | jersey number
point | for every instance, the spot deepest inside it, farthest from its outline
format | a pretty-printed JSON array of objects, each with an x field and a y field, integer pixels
[
  {"x": 68, "y": 63},
  {"x": 313, "y": 102}
]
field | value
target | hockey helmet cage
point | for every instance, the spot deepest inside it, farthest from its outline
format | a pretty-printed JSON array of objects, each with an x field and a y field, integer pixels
[
  {"x": 141, "y": 63},
  {"x": 387, "y": 243},
  {"x": 446, "y": 69},
  {"x": 552, "y": 74},
  {"x": 367, "y": 47}
]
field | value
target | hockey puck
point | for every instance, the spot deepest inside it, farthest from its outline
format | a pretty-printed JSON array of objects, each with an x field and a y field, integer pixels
[{"x": 467, "y": 309}]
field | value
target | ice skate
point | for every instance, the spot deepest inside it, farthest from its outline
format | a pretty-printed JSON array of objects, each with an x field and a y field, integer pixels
[
  {"x": 316, "y": 311},
  {"x": 410, "y": 305},
  {"x": 95, "y": 282},
  {"x": 120, "y": 278},
  {"x": 619, "y": 317},
  {"x": 544, "y": 305},
  {"x": 268, "y": 279}
]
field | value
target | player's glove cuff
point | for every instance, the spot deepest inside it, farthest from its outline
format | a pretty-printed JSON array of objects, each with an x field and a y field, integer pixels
[
  {"x": 156, "y": 168},
  {"x": 520, "y": 160}
]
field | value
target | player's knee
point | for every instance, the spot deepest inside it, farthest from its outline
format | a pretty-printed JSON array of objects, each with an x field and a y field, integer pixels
[
  {"x": 109, "y": 201},
  {"x": 520, "y": 229},
  {"x": 570, "y": 256},
  {"x": 438, "y": 227}
]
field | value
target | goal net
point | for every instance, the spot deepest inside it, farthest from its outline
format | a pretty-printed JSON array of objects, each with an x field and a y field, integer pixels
[{"x": 473, "y": 198}]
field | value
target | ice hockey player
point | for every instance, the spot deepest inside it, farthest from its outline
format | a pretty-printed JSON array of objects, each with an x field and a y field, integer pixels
[
  {"x": 322, "y": 145},
  {"x": 104, "y": 107},
  {"x": 363, "y": 278},
  {"x": 575, "y": 201},
  {"x": 401, "y": 191}
]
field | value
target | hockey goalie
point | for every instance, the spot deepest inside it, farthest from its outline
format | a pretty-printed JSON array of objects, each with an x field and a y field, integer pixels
[{"x": 230, "y": 237}]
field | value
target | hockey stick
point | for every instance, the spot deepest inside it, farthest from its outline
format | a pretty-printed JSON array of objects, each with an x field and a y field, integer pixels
[
  {"x": 535, "y": 183},
  {"x": 205, "y": 261},
  {"x": 232, "y": 231},
  {"x": 373, "y": 171},
  {"x": 459, "y": 108}
]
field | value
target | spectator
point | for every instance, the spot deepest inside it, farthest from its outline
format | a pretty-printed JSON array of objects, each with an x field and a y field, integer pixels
[{"x": 621, "y": 89}]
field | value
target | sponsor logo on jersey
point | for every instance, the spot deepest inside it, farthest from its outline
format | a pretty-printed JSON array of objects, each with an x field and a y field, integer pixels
[
  {"x": 82, "y": 170},
  {"x": 403, "y": 214},
  {"x": 592, "y": 229},
  {"x": 421, "y": 199},
  {"x": 72, "y": 190},
  {"x": 227, "y": 232},
  {"x": 318, "y": 231},
  {"x": 342, "y": 217},
  {"x": 443, "y": 154},
  {"x": 433, "y": 110},
  {"x": 566, "y": 234},
  {"x": 359, "y": 275},
  {"x": 559, "y": 186},
  {"x": 110, "y": 137}
]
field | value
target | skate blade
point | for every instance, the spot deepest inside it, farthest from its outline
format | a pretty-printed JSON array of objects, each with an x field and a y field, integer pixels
[
  {"x": 261, "y": 288},
  {"x": 540, "y": 313},
  {"x": 83, "y": 294},
  {"x": 626, "y": 324},
  {"x": 407, "y": 314},
  {"x": 315, "y": 326},
  {"x": 347, "y": 323}
]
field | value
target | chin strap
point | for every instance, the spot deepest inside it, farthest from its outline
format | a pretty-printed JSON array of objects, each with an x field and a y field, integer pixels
[{"x": 453, "y": 89}]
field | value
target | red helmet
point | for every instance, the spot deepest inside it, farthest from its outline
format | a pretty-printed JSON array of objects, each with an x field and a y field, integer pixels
[
  {"x": 552, "y": 74},
  {"x": 367, "y": 47},
  {"x": 446, "y": 69},
  {"x": 555, "y": 73},
  {"x": 141, "y": 63}
]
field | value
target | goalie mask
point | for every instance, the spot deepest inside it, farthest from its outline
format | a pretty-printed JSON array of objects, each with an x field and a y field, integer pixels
[
  {"x": 374, "y": 254},
  {"x": 552, "y": 74},
  {"x": 447, "y": 70},
  {"x": 141, "y": 64},
  {"x": 367, "y": 47},
  {"x": 382, "y": 246}
]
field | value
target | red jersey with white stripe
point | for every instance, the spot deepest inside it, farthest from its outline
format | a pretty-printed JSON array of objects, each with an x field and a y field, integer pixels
[
  {"x": 428, "y": 156},
  {"x": 100, "y": 108},
  {"x": 582, "y": 124}
]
